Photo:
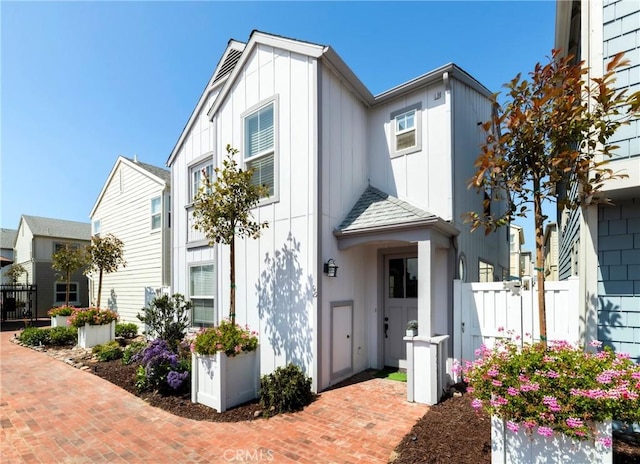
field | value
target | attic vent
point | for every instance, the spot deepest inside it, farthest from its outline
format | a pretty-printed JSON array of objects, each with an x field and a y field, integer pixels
[{"x": 229, "y": 63}]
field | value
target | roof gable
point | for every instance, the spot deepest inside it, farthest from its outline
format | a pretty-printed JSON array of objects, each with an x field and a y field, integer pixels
[
  {"x": 60, "y": 228},
  {"x": 7, "y": 237},
  {"x": 153, "y": 173}
]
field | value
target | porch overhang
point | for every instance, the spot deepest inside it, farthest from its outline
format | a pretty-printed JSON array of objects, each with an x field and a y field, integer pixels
[{"x": 405, "y": 232}]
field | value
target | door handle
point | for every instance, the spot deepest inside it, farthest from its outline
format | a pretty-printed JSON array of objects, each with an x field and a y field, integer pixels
[{"x": 386, "y": 329}]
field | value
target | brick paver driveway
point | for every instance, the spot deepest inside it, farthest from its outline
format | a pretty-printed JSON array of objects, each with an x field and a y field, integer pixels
[{"x": 53, "y": 413}]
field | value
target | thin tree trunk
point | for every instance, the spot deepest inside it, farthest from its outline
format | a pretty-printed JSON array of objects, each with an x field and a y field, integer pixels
[
  {"x": 539, "y": 267},
  {"x": 66, "y": 295},
  {"x": 232, "y": 278},
  {"x": 99, "y": 288}
]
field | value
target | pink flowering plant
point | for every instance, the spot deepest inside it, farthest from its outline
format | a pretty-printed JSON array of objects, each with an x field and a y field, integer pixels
[
  {"x": 561, "y": 388},
  {"x": 91, "y": 316},
  {"x": 229, "y": 338},
  {"x": 61, "y": 311}
]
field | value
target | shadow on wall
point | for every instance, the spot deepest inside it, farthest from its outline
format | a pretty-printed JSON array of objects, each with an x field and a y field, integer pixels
[
  {"x": 284, "y": 297},
  {"x": 112, "y": 302}
]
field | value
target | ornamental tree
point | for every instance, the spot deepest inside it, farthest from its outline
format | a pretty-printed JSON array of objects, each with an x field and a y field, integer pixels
[
  {"x": 65, "y": 261},
  {"x": 14, "y": 272},
  {"x": 222, "y": 210},
  {"x": 552, "y": 129},
  {"x": 106, "y": 255}
]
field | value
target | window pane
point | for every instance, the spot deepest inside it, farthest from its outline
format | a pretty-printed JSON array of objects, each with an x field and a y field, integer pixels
[
  {"x": 412, "y": 277},
  {"x": 401, "y": 124},
  {"x": 259, "y": 132},
  {"x": 396, "y": 278},
  {"x": 410, "y": 119},
  {"x": 263, "y": 172},
  {"x": 155, "y": 205},
  {"x": 156, "y": 221},
  {"x": 201, "y": 281},
  {"x": 406, "y": 140},
  {"x": 203, "y": 312}
]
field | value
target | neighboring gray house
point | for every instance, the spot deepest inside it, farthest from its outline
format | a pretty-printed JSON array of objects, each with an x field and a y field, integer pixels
[
  {"x": 7, "y": 239},
  {"x": 37, "y": 239},
  {"x": 601, "y": 244},
  {"x": 134, "y": 205}
]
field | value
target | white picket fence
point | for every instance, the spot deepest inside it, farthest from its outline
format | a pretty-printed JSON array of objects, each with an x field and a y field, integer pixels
[{"x": 485, "y": 312}]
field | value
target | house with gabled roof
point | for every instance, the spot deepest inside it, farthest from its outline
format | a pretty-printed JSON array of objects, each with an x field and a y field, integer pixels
[
  {"x": 135, "y": 206},
  {"x": 365, "y": 207},
  {"x": 36, "y": 241}
]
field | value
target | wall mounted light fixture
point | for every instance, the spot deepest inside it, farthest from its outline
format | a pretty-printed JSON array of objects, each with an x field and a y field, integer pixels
[{"x": 330, "y": 268}]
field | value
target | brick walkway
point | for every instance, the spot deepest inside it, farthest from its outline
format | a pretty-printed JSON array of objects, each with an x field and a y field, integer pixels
[{"x": 51, "y": 412}]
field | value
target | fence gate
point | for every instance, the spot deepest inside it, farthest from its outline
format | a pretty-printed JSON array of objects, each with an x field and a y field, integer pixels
[
  {"x": 485, "y": 312},
  {"x": 18, "y": 302}
]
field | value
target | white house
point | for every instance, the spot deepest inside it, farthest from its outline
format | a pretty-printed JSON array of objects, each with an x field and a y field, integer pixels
[
  {"x": 134, "y": 205},
  {"x": 601, "y": 244},
  {"x": 37, "y": 239},
  {"x": 376, "y": 185},
  {"x": 7, "y": 239}
]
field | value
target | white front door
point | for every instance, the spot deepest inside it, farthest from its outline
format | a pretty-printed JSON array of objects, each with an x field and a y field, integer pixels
[
  {"x": 401, "y": 306},
  {"x": 341, "y": 339}
]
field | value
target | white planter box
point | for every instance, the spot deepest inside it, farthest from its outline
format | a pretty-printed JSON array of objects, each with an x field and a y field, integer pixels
[
  {"x": 221, "y": 382},
  {"x": 521, "y": 447},
  {"x": 411, "y": 332},
  {"x": 59, "y": 321},
  {"x": 92, "y": 335}
]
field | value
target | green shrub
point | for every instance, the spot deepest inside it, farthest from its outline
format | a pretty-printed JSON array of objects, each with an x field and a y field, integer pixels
[
  {"x": 108, "y": 351},
  {"x": 126, "y": 330},
  {"x": 61, "y": 336},
  {"x": 34, "y": 336},
  {"x": 132, "y": 350},
  {"x": 287, "y": 389},
  {"x": 167, "y": 318}
]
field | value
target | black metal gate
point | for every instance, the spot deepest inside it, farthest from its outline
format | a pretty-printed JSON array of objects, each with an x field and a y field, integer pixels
[{"x": 18, "y": 302}]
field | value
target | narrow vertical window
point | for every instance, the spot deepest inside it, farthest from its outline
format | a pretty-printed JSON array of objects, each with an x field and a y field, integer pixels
[
  {"x": 156, "y": 213},
  {"x": 259, "y": 145}
]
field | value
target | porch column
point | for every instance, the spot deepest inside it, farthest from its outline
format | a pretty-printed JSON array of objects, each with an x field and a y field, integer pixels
[{"x": 426, "y": 255}]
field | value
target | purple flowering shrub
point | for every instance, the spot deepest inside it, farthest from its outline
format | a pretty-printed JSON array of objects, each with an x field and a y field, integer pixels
[
  {"x": 161, "y": 368},
  {"x": 561, "y": 388}
]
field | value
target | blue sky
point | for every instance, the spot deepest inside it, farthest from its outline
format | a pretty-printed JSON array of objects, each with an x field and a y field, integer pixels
[{"x": 84, "y": 82}]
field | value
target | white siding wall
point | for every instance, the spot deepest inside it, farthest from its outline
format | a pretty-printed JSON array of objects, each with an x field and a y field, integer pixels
[
  {"x": 126, "y": 213},
  {"x": 422, "y": 178},
  {"x": 344, "y": 178},
  {"x": 276, "y": 273},
  {"x": 23, "y": 252},
  {"x": 469, "y": 108}
]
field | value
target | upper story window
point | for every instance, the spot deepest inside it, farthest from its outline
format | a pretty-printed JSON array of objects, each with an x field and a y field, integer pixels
[
  {"x": 95, "y": 227},
  {"x": 406, "y": 130},
  {"x": 156, "y": 213},
  {"x": 197, "y": 174},
  {"x": 259, "y": 146}
]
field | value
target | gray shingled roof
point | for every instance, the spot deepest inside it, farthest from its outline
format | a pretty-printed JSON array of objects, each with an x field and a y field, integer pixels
[
  {"x": 58, "y": 228},
  {"x": 7, "y": 238},
  {"x": 375, "y": 208},
  {"x": 163, "y": 174}
]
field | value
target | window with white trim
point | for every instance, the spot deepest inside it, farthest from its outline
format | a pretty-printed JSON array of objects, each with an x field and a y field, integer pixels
[
  {"x": 197, "y": 174},
  {"x": 61, "y": 292},
  {"x": 406, "y": 129},
  {"x": 259, "y": 146},
  {"x": 156, "y": 213},
  {"x": 485, "y": 271},
  {"x": 201, "y": 292},
  {"x": 95, "y": 227}
]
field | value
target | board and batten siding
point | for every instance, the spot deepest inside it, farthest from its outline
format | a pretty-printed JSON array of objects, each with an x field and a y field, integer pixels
[
  {"x": 423, "y": 178},
  {"x": 344, "y": 163},
  {"x": 197, "y": 147},
  {"x": 125, "y": 211},
  {"x": 470, "y": 107},
  {"x": 275, "y": 274}
]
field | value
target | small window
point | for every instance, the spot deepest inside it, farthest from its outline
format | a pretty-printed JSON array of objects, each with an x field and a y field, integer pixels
[
  {"x": 95, "y": 227},
  {"x": 197, "y": 176},
  {"x": 485, "y": 271},
  {"x": 61, "y": 292},
  {"x": 406, "y": 130},
  {"x": 59, "y": 246},
  {"x": 259, "y": 146},
  {"x": 156, "y": 213},
  {"x": 201, "y": 292},
  {"x": 403, "y": 278}
]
